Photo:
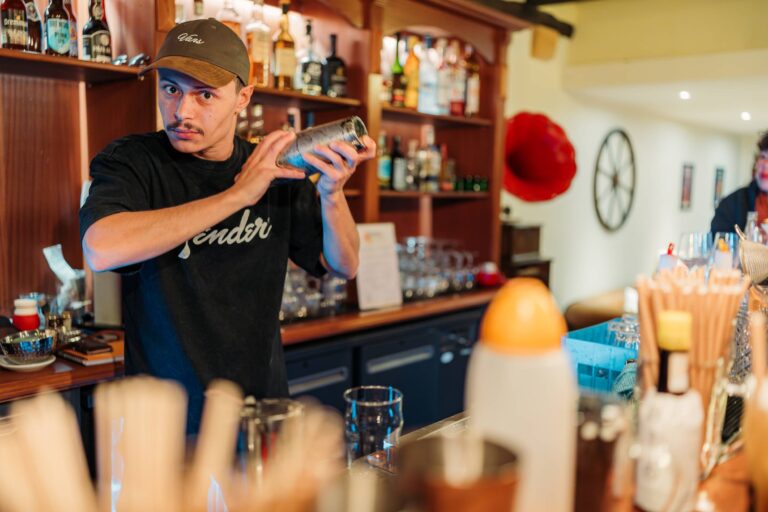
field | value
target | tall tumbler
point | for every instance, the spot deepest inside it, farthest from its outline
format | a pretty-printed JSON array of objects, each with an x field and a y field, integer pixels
[
  {"x": 350, "y": 130},
  {"x": 373, "y": 421}
]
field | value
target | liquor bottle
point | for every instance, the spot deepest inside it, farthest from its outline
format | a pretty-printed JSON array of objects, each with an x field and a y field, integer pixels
[
  {"x": 334, "y": 74},
  {"x": 472, "y": 103},
  {"x": 56, "y": 29},
  {"x": 443, "y": 77},
  {"x": 399, "y": 166},
  {"x": 97, "y": 41},
  {"x": 231, "y": 18},
  {"x": 73, "y": 52},
  {"x": 13, "y": 25},
  {"x": 411, "y": 72},
  {"x": 412, "y": 166},
  {"x": 34, "y": 28},
  {"x": 284, "y": 53},
  {"x": 179, "y": 16},
  {"x": 309, "y": 120},
  {"x": 385, "y": 163},
  {"x": 428, "y": 79},
  {"x": 198, "y": 9},
  {"x": 257, "y": 39},
  {"x": 290, "y": 123},
  {"x": 458, "y": 80},
  {"x": 430, "y": 161},
  {"x": 398, "y": 79},
  {"x": 241, "y": 128},
  {"x": 309, "y": 76},
  {"x": 256, "y": 128}
]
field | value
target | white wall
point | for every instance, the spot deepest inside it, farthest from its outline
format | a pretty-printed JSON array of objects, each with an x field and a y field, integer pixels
[{"x": 587, "y": 259}]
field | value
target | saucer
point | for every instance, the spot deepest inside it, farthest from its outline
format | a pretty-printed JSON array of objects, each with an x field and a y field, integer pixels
[{"x": 27, "y": 367}]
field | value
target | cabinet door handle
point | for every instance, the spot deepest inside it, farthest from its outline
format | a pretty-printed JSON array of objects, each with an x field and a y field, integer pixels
[
  {"x": 317, "y": 380},
  {"x": 405, "y": 358}
]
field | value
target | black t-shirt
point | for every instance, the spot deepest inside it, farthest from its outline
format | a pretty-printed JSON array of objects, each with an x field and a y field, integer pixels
[{"x": 209, "y": 308}]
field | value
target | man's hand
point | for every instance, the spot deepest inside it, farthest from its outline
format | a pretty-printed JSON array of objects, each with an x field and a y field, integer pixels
[
  {"x": 337, "y": 162},
  {"x": 260, "y": 169}
]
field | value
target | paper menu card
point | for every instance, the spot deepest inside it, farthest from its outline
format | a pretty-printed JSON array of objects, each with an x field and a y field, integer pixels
[{"x": 378, "y": 277}]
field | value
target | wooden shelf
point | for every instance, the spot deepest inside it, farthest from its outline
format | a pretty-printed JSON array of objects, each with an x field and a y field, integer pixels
[
  {"x": 269, "y": 96},
  {"x": 407, "y": 114},
  {"x": 434, "y": 195},
  {"x": 17, "y": 62},
  {"x": 352, "y": 192},
  {"x": 312, "y": 330}
]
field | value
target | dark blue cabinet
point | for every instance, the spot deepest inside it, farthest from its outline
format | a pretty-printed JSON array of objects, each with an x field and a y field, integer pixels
[{"x": 426, "y": 359}]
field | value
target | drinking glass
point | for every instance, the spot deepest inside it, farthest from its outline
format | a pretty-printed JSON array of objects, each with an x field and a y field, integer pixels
[
  {"x": 732, "y": 242},
  {"x": 694, "y": 249},
  {"x": 262, "y": 426},
  {"x": 373, "y": 421}
]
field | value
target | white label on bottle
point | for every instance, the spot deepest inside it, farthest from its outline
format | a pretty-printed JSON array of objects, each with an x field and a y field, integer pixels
[
  {"x": 458, "y": 85},
  {"x": 14, "y": 29},
  {"x": 259, "y": 45},
  {"x": 473, "y": 95},
  {"x": 399, "y": 172},
  {"x": 97, "y": 47},
  {"x": 677, "y": 372},
  {"x": 443, "y": 89},
  {"x": 285, "y": 62},
  {"x": 57, "y": 35},
  {"x": 32, "y": 14}
]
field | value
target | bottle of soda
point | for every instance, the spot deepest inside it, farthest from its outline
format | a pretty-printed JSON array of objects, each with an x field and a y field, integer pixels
[
  {"x": 56, "y": 29},
  {"x": 13, "y": 25},
  {"x": 97, "y": 40},
  {"x": 34, "y": 28}
]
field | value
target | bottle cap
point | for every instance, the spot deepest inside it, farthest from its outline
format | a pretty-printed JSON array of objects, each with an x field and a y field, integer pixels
[{"x": 673, "y": 330}]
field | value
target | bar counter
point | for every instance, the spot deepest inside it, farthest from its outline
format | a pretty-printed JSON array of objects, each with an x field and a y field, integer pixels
[
  {"x": 727, "y": 488},
  {"x": 64, "y": 375}
]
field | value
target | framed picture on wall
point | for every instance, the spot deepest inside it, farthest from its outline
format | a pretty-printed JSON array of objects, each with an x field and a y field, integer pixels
[
  {"x": 719, "y": 174},
  {"x": 685, "y": 197}
]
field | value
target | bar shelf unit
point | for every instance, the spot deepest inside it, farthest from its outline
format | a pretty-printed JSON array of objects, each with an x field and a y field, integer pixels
[{"x": 14, "y": 62}]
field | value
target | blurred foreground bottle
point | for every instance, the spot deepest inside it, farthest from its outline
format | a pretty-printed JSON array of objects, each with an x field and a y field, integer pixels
[{"x": 521, "y": 392}]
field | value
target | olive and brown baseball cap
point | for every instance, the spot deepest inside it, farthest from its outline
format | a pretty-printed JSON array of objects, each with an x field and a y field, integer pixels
[{"x": 205, "y": 49}]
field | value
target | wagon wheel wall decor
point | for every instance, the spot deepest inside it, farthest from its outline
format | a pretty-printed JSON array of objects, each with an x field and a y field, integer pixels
[{"x": 613, "y": 188}]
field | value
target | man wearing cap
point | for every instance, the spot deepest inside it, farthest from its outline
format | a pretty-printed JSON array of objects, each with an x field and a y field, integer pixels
[{"x": 191, "y": 218}]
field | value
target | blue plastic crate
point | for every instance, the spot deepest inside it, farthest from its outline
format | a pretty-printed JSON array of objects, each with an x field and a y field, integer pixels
[{"x": 597, "y": 361}]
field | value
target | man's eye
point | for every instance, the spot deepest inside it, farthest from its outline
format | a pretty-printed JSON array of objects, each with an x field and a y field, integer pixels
[
  {"x": 170, "y": 89},
  {"x": 206, "y": 95}
]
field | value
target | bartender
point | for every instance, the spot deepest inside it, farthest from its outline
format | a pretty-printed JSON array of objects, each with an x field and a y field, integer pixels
[
  {"x": 733, "y": 209},
  {"x": 192, "y": 218}
]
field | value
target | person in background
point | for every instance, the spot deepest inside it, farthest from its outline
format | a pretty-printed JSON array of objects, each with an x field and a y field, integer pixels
[
  {"x": 201, "y": 224},
  {"x": 733, "y": 209}
]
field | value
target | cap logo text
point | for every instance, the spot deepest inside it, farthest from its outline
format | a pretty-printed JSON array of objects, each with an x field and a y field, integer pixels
[{"x": 190, "y": 38}]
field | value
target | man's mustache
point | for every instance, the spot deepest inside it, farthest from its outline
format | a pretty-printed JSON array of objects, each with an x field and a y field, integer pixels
[{"x": 184, "y": 126}]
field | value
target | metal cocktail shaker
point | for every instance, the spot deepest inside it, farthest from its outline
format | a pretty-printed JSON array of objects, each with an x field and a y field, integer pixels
[{"x": 351, "y": 130}]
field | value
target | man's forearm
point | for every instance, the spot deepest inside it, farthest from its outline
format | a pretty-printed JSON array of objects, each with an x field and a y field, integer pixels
[
  {"x": 131, "y": 237},
  {"x": 341, "y": 243}
]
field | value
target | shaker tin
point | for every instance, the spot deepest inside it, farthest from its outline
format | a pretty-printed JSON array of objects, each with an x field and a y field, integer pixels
[{"x": 350, "y": 130}]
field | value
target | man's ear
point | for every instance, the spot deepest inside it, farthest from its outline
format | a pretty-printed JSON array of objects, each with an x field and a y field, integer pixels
[{"x": 243, "y": 98}]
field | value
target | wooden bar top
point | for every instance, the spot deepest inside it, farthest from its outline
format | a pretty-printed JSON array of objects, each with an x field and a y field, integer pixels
[
  {"x": 60, "y": 376},
  {"x": 63, "y": 375},
  {"x": 311, "y": 330}
]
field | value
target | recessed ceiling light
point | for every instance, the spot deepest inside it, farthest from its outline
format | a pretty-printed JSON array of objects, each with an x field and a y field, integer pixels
[
  {"x": 746, "y": 116},
  {"x": 685, "y": 95}
]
